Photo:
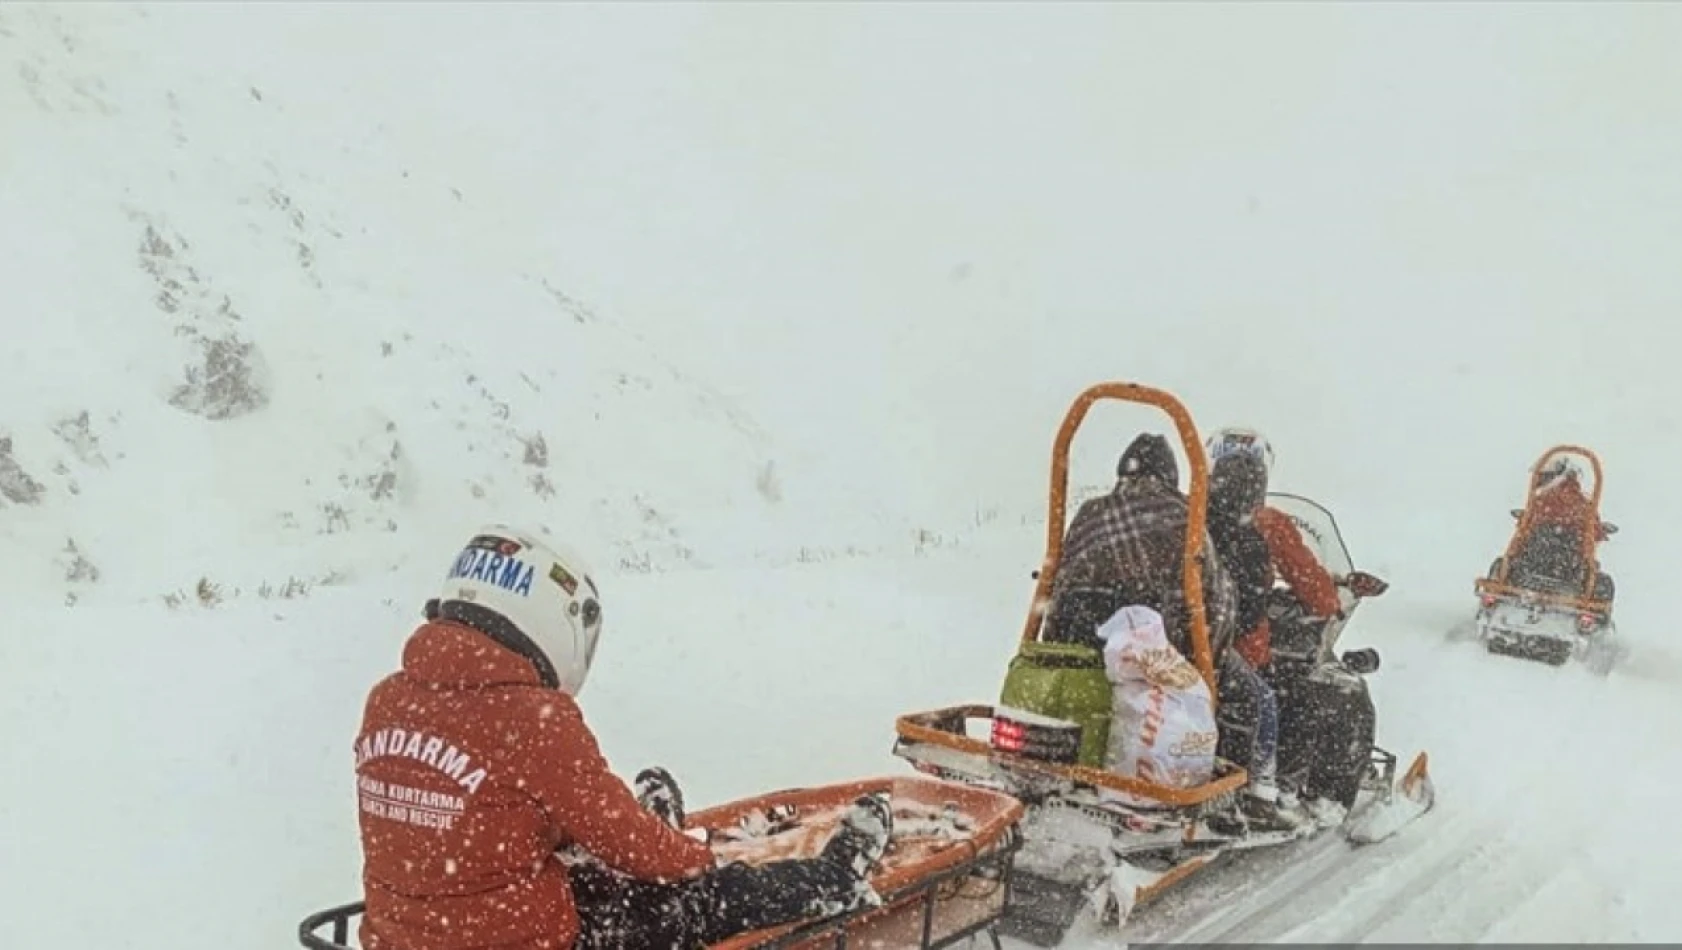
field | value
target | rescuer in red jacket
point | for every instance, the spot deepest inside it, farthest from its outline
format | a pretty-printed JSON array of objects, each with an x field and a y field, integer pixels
[
  {"x": 476, "y": 774},
  {"x": 1275, "y": 547}
]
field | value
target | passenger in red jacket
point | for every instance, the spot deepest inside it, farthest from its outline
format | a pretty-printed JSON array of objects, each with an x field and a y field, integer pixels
[
  {"x": 1281, "y": 552},
  {"x": 491, "y": 821}
]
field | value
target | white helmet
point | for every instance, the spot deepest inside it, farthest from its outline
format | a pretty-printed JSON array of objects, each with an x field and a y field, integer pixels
[
  {"x": 535, "y": 598},
  {"x": 1558, "y": 467},
  {"x": 1236, "y": 439}
]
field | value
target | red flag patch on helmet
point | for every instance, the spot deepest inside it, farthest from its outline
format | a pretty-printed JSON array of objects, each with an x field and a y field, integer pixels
[{"x": 563, "y": 577}]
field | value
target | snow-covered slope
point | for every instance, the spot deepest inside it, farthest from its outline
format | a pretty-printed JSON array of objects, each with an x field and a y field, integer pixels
[
  {"x": 771, "y": 282},
  {"x": 254, "y": 337}
]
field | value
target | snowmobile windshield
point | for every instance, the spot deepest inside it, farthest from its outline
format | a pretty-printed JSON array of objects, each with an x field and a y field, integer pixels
[{"x": 1320, "y": 532}]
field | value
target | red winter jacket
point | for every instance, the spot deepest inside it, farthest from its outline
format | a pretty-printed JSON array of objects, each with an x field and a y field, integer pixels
[
  {"x": 469, "y": 775},
  {"x": 1293, "y": 560},
  {"x": 1566, "y": 504}
]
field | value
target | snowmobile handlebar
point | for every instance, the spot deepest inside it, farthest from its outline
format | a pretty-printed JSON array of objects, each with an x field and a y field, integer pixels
[
  {"x": 1196, "y": 510},
  {"x": 1363, "y": 585}
]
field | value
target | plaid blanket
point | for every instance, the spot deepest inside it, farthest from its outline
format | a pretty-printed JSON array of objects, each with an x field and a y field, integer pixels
[{"x": 1132, "y": 541}]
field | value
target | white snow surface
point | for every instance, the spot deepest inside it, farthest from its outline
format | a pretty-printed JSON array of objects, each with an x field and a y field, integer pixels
[{"x": 794, "y": 296}]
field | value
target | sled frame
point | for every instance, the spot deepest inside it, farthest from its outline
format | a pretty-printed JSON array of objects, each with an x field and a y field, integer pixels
[
  {"x": 1196, "y": 514},
  {"x": 945, "y": 728},
  {"x": 925, "y": 894},
  {"x": 993, "y": 865},
  {"x": 1588, "y": 541},
  {"x": 914, "y": 728}
]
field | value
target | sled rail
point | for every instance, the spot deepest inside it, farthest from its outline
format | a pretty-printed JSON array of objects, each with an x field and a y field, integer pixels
[
  {"x": 945, "y": 728},
  {"x": 1196, "y": 511},
  {"x": 339, "y": 918}
]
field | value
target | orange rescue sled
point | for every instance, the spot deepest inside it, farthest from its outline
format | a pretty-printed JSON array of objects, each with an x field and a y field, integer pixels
[{"x": 944, "y": 878}]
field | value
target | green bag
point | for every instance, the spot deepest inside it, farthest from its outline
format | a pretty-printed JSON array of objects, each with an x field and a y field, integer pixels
[{"x": 1064, "y": 681}]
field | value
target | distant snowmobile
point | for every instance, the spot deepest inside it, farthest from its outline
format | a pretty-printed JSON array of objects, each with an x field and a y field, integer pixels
[
  {"x": 1101, "y": 843},
  {"x": 1546, "y": 598}
]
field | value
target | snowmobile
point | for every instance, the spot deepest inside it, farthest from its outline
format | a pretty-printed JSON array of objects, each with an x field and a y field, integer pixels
[
  {"x": 1546, "y": 598},
  {"x": 943, "y": 880},
  {"x": 1102, "y": 844}
]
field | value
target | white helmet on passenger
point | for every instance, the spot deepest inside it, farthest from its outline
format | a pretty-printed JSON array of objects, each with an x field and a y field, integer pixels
[
  {"x": 1557, "y": 468},
  {"x": 536, "y": 598},
  {"x": 1237, "y": 439}
]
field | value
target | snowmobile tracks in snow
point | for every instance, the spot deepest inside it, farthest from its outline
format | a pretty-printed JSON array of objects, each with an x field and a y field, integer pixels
[
  {"x": 1435, "y": 886},
  {"x": 1264, "y": 892},
  {"x": 1412, "y": 877},
  {"x": 1309, "y": 864},
  {"x": 1454, "y": 885}
]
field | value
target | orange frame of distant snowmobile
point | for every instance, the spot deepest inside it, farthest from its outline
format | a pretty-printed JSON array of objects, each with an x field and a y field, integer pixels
[
  {"x": 944, "y": 727},
  {"x": 1589, "y": 539}
]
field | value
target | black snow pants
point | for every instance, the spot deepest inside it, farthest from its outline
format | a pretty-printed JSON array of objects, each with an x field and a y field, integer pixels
[
  {"x": 1249, "y": 719},
  {"x": 1327, "y": 725},
  {"x": 619, "y": 913}
]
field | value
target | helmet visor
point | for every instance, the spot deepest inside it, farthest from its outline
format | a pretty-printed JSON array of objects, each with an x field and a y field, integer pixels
[{"x": 1237, "y": 443}]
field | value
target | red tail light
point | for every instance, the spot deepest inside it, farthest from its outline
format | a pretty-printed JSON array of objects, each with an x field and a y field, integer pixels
[
  {"x": 1587, "y": 622},
  {"x": 1008, "y": 736},
  {"x": 1489, "y": 600}
]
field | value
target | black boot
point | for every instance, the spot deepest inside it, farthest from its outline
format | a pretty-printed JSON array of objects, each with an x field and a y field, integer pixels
[
  {"x": 862, "y": 838},
  {"x": 1267, "y": 815},
  {"x": 657, "y": 792},
  {"x": 741, "y": 897}
]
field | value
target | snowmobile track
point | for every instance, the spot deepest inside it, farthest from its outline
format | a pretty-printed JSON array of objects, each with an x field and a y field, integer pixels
[
  {"x": 1273, "y": 896},
  {"x": 1411, "y": 886},
  {"x": 1444, "y": 879}
]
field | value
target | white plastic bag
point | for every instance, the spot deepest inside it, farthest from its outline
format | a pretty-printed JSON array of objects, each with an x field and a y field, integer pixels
[{"x": 1163, "y": 730}]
